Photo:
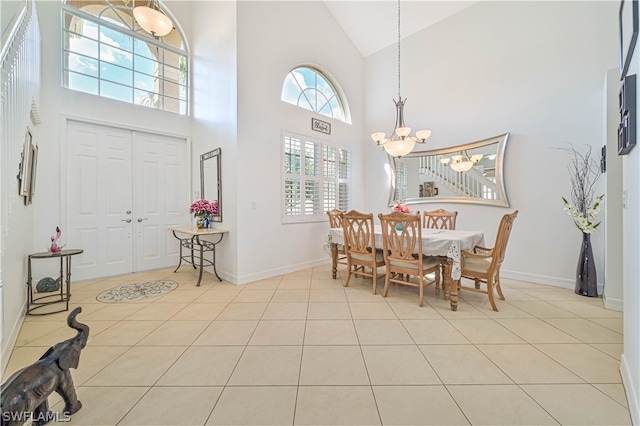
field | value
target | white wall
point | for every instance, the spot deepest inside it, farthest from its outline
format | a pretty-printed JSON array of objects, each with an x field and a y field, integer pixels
[
  {"x": 529, "y": 68},
  {"x": 612, "y": 223},
  {"x": 17, "y": 219},
  {"x": 215, "y": 108},
  {"x": 274, "y": 38},
  {"x": 630, "y": 368}
]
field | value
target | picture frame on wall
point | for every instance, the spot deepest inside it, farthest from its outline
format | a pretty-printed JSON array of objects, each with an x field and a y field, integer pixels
[
  {"x": 627, "y": 133},
  {"x": 25, "y": 168},
  {"x": 32, "y": 172},
  {"x": 628, "y": 27}
]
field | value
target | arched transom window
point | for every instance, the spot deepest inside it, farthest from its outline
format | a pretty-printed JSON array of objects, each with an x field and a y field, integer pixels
[
  {"x": 310, "y": 89},
  {"x": 106, "y": 53}
]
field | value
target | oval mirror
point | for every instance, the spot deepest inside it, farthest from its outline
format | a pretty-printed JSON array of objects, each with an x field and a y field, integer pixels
[
  {"x": 469, "y": 173},
  {"x": 211, "y": 180}
]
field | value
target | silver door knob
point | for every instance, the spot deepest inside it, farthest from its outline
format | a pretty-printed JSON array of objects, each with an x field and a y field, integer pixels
[
  {"x": 126, "y": 220},
  {"x": 140, "y": 219}
]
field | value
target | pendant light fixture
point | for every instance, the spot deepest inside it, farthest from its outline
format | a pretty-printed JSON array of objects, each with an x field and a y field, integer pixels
[
  {"x": 461, "y": 162},
  {"x": 400, "y": 142},
  {"x": 152, "y": 20}
]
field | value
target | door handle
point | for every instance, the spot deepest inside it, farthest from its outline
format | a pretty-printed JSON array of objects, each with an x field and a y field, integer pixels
[
  {"x": 125, "y": 220},
  {"x": 140, "y": 219}
]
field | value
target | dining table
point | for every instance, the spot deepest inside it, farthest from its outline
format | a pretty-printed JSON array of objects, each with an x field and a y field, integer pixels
[{"x": 435, "y": 242}]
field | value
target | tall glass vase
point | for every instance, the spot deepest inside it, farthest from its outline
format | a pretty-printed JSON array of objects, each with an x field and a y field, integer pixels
[{"x": 586, "y": 277}]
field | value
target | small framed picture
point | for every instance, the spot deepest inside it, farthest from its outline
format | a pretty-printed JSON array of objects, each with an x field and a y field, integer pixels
[
  {"x": 627, "y": 134},
  {"x": 320, "y": 126},
  {"x": 428, "y": 189},
  {"x": 24, "y": 176}
]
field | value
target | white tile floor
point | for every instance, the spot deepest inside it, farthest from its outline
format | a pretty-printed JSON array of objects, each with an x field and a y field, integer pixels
[{"x": 302, "y": 349}]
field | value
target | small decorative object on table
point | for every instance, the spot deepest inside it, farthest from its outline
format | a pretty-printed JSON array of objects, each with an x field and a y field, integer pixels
[
  {"x": 584, "y": 209},
  {"x": 55, "y": 248},
  {"x": 402, "y": 208},
  {"x": 201, "y": 210}
]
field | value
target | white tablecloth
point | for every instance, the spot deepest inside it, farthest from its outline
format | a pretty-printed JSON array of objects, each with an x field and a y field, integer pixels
[{"x": 435, "y": 242}]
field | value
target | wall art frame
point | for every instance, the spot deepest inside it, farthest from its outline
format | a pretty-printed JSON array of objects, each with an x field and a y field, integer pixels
[
  {"x": 24, "y": 171},
  {"x": 628, "y": 27},
  {"x": 627, "y": 129}
]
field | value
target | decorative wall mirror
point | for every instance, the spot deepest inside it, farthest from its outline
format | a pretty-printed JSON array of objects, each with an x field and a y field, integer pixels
[
  {"x": 211, "y": 180},
  {"x": 470, "y": 173}
]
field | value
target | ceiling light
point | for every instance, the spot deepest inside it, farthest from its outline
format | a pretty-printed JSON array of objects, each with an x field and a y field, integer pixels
[
  {"x": 462, "y": 162},
  {"x": 152, "y": 20},
  {"x": 400, "y": 142}
]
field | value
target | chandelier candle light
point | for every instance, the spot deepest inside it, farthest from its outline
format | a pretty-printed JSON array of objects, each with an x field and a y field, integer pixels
[{"x": 400, "y": 142}]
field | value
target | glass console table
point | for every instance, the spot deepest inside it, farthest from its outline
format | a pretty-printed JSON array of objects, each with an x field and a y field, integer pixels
[
  {"x": 63, "y": 296},
  {"x": 190, "y": 240}
]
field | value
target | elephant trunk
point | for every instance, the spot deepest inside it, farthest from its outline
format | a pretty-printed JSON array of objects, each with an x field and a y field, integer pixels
[{"x": 83, "y": 329}]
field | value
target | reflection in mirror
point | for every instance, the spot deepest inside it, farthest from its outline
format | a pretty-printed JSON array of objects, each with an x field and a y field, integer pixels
[
  {"x": 211, "y": 180},
  {"x": 470, "y": 173}
]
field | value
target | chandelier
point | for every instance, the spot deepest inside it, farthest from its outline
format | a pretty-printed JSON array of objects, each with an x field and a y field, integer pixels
[
  {"x": 152, "y": 20},
  {"x": 400, "y": 142},
  {"x": 461, "y": 162}
]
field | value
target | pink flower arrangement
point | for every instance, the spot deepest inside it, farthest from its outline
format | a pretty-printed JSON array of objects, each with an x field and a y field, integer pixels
[
  {"x": 204, "y": 208},
  {"x": 402, "y": 208}
]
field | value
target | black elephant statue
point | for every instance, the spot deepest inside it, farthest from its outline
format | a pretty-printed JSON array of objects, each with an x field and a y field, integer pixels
[{"x": 24, "y": 395}]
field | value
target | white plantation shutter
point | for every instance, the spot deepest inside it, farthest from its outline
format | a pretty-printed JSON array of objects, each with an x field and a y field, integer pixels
[
  {"x": 316, "y": 178},
  {"x": 344, "y": 179}
]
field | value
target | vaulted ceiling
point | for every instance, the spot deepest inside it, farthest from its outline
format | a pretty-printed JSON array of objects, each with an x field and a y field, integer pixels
[{"x": 373, "y": 24}]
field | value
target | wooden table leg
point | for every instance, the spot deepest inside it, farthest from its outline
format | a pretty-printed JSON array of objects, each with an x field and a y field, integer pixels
[
  {"x": 334, "y": 260},
  {"x": 450, "y": 285}
]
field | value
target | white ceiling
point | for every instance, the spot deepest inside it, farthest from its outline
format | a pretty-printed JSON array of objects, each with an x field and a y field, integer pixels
[{"x": 373, "y": 24}]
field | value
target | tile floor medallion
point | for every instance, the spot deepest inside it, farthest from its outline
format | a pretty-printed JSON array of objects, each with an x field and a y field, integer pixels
[{"x": 136, "y": 291}]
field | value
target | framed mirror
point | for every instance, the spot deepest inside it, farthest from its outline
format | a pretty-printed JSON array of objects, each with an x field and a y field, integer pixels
[
  {"x": 211, "y": 180},
  {"x": 469, "y": 173}
]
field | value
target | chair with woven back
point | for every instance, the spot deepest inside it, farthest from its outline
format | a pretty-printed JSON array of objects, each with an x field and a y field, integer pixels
[
  {"x": 440, "y": 219},
  {"x": 360, "y": 246},
  {"x": 482, "y": 265},
  {"x": 335, "y": 221},
  {"x": 402, "y": 249}
]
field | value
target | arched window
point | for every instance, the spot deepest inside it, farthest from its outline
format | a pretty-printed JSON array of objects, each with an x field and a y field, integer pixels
[
  {"x": 311, "y": 89},
  {"x": 106, "y": 53}
]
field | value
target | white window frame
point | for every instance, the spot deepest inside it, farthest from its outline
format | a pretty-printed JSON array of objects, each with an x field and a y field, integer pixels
[
  {"x": 342, "y": 183},
  {"x": 308, "y": 95},
  {"x": 160, "y": 97}
]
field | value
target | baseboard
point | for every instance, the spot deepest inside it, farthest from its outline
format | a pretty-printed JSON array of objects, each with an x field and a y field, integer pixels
[
  {"x": 632, "y": 393},
  {"x": 11, "y": 340},
  {"x": 262, "y": 275},
  {"x": 543, "y": 279},
  {"x": 612, "y": 304}
]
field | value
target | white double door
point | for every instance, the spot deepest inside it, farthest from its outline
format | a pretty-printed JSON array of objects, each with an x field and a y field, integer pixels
[{"x": 124, "y": 189}]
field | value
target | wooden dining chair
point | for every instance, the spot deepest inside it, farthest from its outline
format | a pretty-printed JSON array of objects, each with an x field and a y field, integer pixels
[
  {"x": 360, "y": 246},
  {"x": 440, "y": 219},
  {"x": 402, "y": 249},
  {"x": 482, "y": 265},
  {"x": 335, "y": 221}
]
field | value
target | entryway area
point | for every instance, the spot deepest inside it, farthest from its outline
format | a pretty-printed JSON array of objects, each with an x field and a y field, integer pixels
[{"x": 123, "y": 189}]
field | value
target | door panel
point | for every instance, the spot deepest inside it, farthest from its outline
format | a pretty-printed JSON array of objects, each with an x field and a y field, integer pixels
[
  {"x": 163, "y": 180},
  {"x": 99, "y": 194}
]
